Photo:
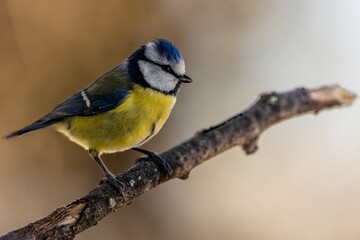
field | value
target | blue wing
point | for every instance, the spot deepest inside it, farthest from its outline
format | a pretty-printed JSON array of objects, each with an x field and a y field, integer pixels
[
  {"x": 106, "y": 93},
  {"x": 84, "y": 104}
]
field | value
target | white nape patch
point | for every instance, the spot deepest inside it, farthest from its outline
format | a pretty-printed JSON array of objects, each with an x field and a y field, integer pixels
[
  {"x": 156, "y": 77},
  {"x": 85, "y": 98}
]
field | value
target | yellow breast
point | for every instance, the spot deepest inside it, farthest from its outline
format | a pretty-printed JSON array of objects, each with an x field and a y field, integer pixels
[{"x": 132, "y": 123}]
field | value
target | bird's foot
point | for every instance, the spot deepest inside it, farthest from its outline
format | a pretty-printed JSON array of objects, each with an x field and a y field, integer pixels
[
  {"x": 162, "y": 164},
  {"x": 116, "y": 184}
]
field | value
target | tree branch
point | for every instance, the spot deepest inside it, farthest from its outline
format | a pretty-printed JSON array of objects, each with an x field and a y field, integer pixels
[{"x": 243, "y": 130}]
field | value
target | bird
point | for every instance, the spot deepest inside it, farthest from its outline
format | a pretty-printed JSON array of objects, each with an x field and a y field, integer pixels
[{"x": 123, "y": 108}]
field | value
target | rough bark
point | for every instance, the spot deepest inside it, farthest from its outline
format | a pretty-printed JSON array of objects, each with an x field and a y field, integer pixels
[{"x": 242, "y": 129}]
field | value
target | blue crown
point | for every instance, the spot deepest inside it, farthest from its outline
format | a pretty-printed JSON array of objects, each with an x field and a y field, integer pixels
[{"x": 169, "y": 50}]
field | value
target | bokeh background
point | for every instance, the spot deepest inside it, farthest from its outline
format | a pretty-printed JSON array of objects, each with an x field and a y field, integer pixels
[{"x": 303, "y": 183}]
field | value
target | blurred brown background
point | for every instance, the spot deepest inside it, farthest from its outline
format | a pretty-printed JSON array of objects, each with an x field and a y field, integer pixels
[{"x": 303, "y": 183}]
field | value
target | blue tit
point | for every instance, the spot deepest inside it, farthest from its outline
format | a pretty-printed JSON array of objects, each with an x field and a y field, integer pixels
[{"x": 123, "y": 108}]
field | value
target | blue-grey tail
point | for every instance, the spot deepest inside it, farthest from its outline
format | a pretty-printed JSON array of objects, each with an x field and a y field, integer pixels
[{"x": 41, "y": 123}]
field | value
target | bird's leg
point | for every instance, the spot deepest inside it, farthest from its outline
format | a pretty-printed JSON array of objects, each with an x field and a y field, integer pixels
[
  {"x": 110, "y": 178},
  {"x": 163, "y": 165}
]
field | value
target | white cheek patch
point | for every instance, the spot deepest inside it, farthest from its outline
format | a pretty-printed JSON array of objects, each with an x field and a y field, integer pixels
[{"x": 156, "y": 77}]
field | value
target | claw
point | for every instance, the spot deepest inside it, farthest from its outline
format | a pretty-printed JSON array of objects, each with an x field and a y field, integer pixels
[
  {"x": 163, "y": 165},
  {"x": 116, "y": 184}
]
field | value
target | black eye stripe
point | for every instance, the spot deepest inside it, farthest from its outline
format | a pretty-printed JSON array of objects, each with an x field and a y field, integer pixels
[{"x": 166, "y": 68}]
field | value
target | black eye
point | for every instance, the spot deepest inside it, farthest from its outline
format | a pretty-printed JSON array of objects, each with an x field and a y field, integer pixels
[{"x": 168, "y": 68}]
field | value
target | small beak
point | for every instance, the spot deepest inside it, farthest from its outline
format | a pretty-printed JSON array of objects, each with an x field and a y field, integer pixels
[{"x": 185, "y": 79}]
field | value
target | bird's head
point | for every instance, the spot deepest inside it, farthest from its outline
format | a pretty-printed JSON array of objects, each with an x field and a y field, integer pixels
[{"x": 159, "y": 65}]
